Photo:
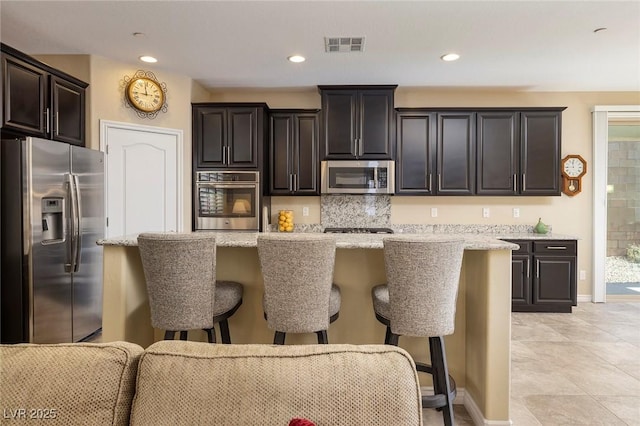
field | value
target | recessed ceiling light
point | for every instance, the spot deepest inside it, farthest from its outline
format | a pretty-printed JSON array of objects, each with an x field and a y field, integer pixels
[
  {"x": 450, "y": 57},
  {"x": 296, "y": 58},
  {"x": 149, "y": 59}
]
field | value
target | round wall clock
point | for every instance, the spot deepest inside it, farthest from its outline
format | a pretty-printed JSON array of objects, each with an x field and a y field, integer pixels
[
  {"x": 574, "y": 167},
  {"x": 145, "y": 94}
]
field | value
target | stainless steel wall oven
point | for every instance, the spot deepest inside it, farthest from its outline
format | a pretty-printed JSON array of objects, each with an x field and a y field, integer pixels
[{"x": 227, "y": 200}]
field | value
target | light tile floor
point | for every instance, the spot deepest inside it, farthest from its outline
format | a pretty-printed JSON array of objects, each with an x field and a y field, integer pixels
[{"x": 581, "y": 368}]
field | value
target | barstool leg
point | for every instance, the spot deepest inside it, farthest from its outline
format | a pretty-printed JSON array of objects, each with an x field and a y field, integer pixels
[
  {"x": 387, "y": 335},
  {"x": 224, "y": 332},
  {"x": 441, "y": 371},
  {"x": 278, "y": 338},
  {"x": 322, "y": 337},
  {"x": 183, "y": 335},
  {"x": 392, "y": 339},
  {"x": 211, "y": 335},
  {"x": 168, "y": 335}
]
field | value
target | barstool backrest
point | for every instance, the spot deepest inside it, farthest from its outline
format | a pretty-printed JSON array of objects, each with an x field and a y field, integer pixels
[
  {"x": 297, "y": 270},
  {"x": 180, "y": 272},
  {"x": 423, "y": 276}
]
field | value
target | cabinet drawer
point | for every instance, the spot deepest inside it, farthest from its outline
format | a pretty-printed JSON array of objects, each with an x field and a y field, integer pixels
[
  {"x": 557, "y": 247},
  {"x": 525, "y": 246}
]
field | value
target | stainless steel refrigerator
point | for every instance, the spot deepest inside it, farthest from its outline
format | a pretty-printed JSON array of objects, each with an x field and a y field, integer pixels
[{"x": 52, "y": 215}]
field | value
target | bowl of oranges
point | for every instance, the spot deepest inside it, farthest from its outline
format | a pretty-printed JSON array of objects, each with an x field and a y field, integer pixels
[{"x": 285, "y": 221}]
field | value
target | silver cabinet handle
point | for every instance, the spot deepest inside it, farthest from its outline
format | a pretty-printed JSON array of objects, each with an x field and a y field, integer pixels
[
  {"x": 228, "y": 155},
  {"x": 361, "y": 147},
  {"x": 556, "y": 247},
  {"x": 537, "y": 268},
  {"x": 47, "y": 119},
  {"x": 224, "y": 155},
  {"x": 295, "y": 182},
  {"x": 57, "y": 128},
  {"x": 524, "y": 182},
  {"x": 430, "y": 176},
  {"x": 515, "y": 183},
  {"x": 528, "y": 269},
  {"x": 439, "y": 183}
]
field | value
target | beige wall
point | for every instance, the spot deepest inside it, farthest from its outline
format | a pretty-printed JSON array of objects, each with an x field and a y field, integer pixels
[{"x": 567, "y": 215}]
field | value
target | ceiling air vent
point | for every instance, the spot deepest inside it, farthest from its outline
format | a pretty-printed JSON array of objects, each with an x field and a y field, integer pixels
[{"x": 343, "y": 44}]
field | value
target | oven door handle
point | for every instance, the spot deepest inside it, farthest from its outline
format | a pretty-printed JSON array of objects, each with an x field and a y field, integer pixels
[{"x": 228, "y": 185}]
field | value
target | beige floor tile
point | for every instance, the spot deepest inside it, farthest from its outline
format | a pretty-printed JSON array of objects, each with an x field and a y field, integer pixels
[
  {"x": 585, "y": 333},
  {"x": 613, "y": 352},
  {"x": 632, "y": 369},
  {"x": 542, "y": 383},
  {"x": 603, "y": 379},
  {"x": 535, "y": 332},
  {"x": 520, "y": 414},
  {"x": 460, "y": 415},
  {"x": 563, "y": 354},
  {"x": 627, "y": 408},
  {"x": 570, "y": 411}
]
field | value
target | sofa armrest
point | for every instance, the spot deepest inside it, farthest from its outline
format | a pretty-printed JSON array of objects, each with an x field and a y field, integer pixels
[
  {"x": 199, "y": 383},
  {"x": 65, "y": 384}
]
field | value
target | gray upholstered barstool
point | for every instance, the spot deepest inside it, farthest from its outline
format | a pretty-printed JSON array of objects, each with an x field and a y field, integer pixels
[
  {"x": 419, "y": 299},
  {"x": 299, "y": 294},
  {"x": 180, "y": 272}
]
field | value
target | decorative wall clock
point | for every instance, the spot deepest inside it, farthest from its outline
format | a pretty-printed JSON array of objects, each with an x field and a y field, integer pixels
[
  {"x": 573, "y": 168},
  {"x": 145, "y": 94}
]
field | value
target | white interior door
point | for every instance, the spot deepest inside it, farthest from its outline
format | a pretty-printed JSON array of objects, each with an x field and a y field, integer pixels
[{"x": 143, "y": 178}]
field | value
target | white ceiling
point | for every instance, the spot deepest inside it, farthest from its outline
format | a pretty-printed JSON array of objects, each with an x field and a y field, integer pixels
[{"x": 525, "y": 45}]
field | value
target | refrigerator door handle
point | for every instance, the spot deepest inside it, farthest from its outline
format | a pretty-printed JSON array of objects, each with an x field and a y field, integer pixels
[
  {"x": 68, "y": 266},
  {"x": 78, "y": 215},
  {"x": 72, "y": 266}
]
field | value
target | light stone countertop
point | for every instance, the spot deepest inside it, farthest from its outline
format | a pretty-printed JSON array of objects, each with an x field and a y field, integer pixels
[{"x": 344, "y": 241}]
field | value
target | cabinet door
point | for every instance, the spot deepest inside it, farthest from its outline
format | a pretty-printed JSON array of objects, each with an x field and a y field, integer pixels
[
  {"x": 456, "y": 153},
  {"x": 415, "y": 152},
  {"x": 554, "y": 278},
  {"x": 68, "y": 111},
  {"x": 497, "y": 153},
  {"x": 24, "y": 97},
  {"x": 209, "y": 137},
  {"x": 243, "y": 138},
  {"x": 520, "y": 280},
  {"x": 305, "y": 164},
  {"x": 375, "y": 125},
  {"x": 339, "y": 124},
  {"x": 280, "y": 153},
  {"x": 540, "y": 156}
]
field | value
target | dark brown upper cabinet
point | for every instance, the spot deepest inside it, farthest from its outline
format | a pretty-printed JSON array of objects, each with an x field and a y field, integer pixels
[
  {"x": 40, "y": 101},
  {"x": 519, "y": 152},
  {"x": 228, "y": 136},
  {"x": 357, "y": 122},
  {"x": 540, "y": 133},
  {"x": 435, "y": 152},
  {"x": 416, "y": 139},
  {"x": 456, "y": 153},
  {"x": 293, "y": 152}
]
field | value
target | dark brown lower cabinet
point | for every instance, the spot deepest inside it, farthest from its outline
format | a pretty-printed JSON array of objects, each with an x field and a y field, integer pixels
[{"x": 543, "y": 276}]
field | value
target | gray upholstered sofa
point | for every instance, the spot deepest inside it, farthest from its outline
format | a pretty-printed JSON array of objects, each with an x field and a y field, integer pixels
[{"x": 190, "y": 383}]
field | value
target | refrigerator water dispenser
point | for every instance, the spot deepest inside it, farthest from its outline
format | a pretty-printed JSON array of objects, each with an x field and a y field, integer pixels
[{"x": 52, "y": 221}]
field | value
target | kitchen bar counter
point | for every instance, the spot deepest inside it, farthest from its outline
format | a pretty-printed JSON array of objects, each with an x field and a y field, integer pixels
[{"x": 478, "y": 352}]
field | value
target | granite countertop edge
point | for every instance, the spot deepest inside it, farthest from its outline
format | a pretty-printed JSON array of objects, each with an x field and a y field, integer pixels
[{"x": 474, "y": 241}]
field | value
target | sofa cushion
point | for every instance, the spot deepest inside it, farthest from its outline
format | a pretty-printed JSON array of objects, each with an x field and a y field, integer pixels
[
  {"x": 65, "y": 384},
  {"x": 199, "y": 383}
]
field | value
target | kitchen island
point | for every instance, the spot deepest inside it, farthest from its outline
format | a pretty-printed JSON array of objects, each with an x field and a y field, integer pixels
[{"x": 478, "y": 352}]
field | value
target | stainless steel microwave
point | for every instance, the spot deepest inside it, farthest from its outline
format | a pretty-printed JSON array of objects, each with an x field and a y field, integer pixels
[{"x": 357, "y": 177}]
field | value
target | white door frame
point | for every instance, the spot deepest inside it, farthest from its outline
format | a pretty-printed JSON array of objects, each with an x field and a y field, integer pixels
[
  {"x": 105, "y": 125},
  {"x": 601, "y": 115}
]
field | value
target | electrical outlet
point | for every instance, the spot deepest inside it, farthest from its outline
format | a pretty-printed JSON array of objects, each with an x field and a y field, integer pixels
[
  {"x": 516, "y": 212},
  {"x": 583, "y": 275},
  {"x": 305, "y": 211},
  {"x": 434, "y": 212},
  {"x": 485, "y": 212}
]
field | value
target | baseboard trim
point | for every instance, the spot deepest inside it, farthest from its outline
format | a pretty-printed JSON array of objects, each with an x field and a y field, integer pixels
[
  {"x": 463, "y": 398},
  {"x": 584, "y": 298}
]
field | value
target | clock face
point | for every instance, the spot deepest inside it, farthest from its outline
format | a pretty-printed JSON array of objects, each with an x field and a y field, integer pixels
[
  {"x": 145, "y": 94},
  {"x": 573, "y": 167}
]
